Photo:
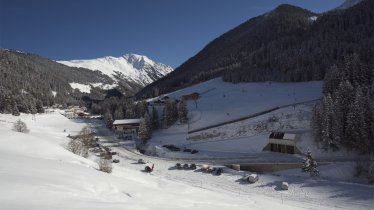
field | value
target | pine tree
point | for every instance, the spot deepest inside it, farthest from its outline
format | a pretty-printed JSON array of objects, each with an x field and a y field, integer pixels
[
  {"x": 39, "y": 106},
  {"x": 145, "y": 128},
  {"x": 316, "y": 122},
  {"x": 171, "y": 112},
  {"x": 118, "y": 114},
  {"x": 182, "y": 112},
  {"x": 129, "y": 113},
  {"x": 15, "y": 110},
  {"x": 357, "y": 130},
  {"x": 326, "y": 122},
  {"x": 155, "y": 119},
  {"x": 310, "y": 165},
  {"x": 108, "y": 119},
  {"x": 371, "y": 172}
]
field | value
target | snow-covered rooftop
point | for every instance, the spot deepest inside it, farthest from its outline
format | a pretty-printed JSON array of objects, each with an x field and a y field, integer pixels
[{"x": 126, "y": 121}]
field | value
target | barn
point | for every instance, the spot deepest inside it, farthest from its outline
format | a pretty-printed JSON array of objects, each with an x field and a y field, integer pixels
[
  {"x": 283, "y": 142},
  {"x": 127, "y": 128}
]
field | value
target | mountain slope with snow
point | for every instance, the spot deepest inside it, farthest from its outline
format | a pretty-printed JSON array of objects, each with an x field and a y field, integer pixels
[
  {"x": 132, "y": 68},
  {"x": 38, "y": 173}
]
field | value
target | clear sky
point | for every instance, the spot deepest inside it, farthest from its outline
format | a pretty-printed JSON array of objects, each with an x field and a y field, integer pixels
[{"x": 168, "y": 31}]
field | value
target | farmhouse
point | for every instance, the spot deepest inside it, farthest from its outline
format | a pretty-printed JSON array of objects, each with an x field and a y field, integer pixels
[
  {"x": 127, "y": 128},
  {"x": 283, "y": 143}
]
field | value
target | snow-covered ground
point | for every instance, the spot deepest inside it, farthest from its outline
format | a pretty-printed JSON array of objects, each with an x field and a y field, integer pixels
[
  {"x": 221, "y": 102},
  {"x": 38, "y": 173}
]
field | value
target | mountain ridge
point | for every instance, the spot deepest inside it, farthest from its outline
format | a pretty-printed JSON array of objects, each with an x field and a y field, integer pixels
[
  {"x": 287, "y": 44},
  {"x": 136, "y": 68}
]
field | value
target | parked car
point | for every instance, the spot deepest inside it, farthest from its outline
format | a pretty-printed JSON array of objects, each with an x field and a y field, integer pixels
[
  {"x": 178, "y": 166},
  {"x": 284, "y": 186},
  {"x": 252, "y": 178},
  {"x": 194, "y": 151},
  {"x": 193, "y": 166},
  {"x": 185, "y": 166},
  {"x": 218, "y": 171}
]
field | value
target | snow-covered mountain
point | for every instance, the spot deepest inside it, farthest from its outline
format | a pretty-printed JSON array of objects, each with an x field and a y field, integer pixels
[
  {"x": 132, "y": 68},
  {"x": 348, "y": 3}
]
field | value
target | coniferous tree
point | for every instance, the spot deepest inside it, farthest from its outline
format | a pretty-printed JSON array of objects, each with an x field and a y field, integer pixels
[
  {"x": 356, "y": 125},
  {"x": 118, "y": 113},
  {"x": 310, "y": 165},
  {"x": 108, "y": 119},
  {"x": 316, "y": 122},
  {"x": 351, "y": 123},
  {"x": 155, "y": 119},
  {"x": 171, "y": 112},
  {"x": 371, "y": 172},
  {"x": 15, "y": 110},
  {"x": 182, "y": 112},
  {"x": 145, "y": 131},
  {"x": 326, "y": 122}
]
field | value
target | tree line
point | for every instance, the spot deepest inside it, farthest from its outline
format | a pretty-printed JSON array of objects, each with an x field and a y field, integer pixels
[{"x": 345, "y": 117}]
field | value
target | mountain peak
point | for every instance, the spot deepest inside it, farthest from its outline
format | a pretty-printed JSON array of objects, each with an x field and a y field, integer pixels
[
  {"x": 129, "y": 67},
  {"x": 289, "y": 9}
]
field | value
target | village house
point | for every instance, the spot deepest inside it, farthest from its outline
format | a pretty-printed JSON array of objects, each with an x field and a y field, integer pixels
[
  {"x": 283, "y": 142},
  {"x": 127, "y": 128}
]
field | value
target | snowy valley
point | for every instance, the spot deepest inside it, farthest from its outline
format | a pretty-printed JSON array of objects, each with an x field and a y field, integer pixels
[{"x": 37, "y": 166}]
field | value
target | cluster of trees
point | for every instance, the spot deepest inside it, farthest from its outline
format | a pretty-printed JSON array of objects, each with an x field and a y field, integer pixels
[
  {"x": 174, "y": 111},
  {"x": 346, "y": 115},
  {"x": 115, "y": 108}
]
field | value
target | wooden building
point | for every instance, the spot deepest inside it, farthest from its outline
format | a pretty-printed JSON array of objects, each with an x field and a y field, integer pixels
[
  {"x": 127, "y": 128},
  {"x": 283, "y": 143}
]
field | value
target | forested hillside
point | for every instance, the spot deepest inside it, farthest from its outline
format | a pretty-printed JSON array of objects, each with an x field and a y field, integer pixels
[
  {"x": 345, "y": 117},
  {"x": 28, "y": 82},
  {"x": 287, "y": 44}
]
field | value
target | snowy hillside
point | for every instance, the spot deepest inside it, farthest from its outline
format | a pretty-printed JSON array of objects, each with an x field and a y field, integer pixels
[
  {"x": 221, "y": 101},
  {"x": 134, "y": 68},
  {"x": 38, "y": 173},
  {"x": 283, "y": 106}
]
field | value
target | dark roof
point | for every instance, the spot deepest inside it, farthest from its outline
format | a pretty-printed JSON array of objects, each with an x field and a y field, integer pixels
[
  {"x": 282, "y": 135},
  {"x": 276, "y": 135}
]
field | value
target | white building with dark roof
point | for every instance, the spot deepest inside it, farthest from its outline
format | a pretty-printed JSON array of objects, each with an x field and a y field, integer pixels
[
  {"x": 283, "y": 142},
  {"x": 127, "y": 128}
]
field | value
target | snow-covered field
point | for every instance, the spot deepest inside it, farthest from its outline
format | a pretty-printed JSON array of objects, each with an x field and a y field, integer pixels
[
  {"x": 221, "y": 101},
  {"x": 38, "y": 173}
]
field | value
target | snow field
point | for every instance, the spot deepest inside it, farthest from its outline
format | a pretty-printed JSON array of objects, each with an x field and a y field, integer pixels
[{"x": 38, "y": 173}]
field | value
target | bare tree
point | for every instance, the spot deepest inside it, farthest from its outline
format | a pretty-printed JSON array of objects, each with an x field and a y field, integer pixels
[
  {"x": 20, "y": 126},
  {"x": 105, "y": 165},
  {"x": 87, "y": 137},
  {"x": 76, "y": 146}
]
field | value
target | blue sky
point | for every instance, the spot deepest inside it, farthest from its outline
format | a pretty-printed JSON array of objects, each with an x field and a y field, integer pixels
[{"x": 168, "y": 31}]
